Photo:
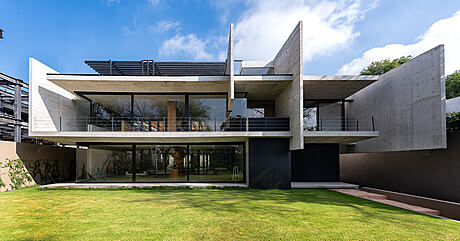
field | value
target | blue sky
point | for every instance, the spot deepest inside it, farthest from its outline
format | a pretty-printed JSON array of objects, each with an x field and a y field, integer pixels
[{"x": 341, "y": 36}]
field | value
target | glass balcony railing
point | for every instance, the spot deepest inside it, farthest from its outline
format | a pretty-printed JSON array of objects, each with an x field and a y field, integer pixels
[{"x": 163, "y": 124}]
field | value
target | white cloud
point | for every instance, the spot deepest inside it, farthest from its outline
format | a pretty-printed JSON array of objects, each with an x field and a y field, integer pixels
[
  {"x": 188, "y": 45},
  {"x": 328, "y": 26},
  {"x": 110, "y": 2},
  {"x": 133, "y": 30},
  {"x": 154, "y": 3},
  {"x": 165, "y": 25},
  {"x": 444, "y": 31}
]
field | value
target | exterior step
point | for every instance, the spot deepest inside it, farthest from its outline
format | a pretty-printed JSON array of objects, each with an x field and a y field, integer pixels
[{"x": 361, "y": 194}]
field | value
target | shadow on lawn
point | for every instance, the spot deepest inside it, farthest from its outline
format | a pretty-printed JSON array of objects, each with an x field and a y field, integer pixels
[{"x": 274, "y": 202}]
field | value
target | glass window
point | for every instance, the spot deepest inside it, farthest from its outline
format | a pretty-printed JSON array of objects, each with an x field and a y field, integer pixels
[
  {"x": 323, "y": 115},
  {"x": 161, "y": 163},
  {"x": 107, "y": 163},
  {"x": 216, "y": 163},
  {"x": 310, "y": 110},
  {"x": 207, "y": 112},
  {"x": 159, "y": 106}
]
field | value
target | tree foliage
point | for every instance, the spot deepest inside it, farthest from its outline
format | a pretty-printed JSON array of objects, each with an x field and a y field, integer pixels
[
  {"x": 383, "y": 66},
  {"x": 453, "y": 122},
  {"x": 453, "y": 85}
]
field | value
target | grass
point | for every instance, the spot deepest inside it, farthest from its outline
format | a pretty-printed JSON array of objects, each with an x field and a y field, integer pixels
[{"x": 211, "y": 214}]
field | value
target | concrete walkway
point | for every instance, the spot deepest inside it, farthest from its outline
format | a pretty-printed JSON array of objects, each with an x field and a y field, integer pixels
[
  {"x": 141, "y": 185},
  {"x": 383, "y": 199},
  {"x": 322, "y": 185}
]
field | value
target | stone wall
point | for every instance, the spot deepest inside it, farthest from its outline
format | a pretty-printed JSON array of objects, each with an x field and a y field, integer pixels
[{"x": 44, "y": 164}]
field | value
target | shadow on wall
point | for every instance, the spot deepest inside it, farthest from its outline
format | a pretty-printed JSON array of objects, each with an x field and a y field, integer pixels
[
  {"x": 429, "y": 173},
  {"x": 44, "y": 164}
]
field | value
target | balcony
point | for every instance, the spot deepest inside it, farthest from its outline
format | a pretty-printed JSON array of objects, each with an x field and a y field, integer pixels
[
  {"x": 338, "y": 124},
  {"x": 342, "y": 130},
  {"x": 166, "y": 124}
]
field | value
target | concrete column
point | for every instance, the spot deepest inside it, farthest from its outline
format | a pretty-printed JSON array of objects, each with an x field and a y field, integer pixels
[{"x": 17, "y": 112}]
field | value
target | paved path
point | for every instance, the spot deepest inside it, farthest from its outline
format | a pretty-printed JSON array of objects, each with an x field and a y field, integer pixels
[{"x": 322, "y": 185}]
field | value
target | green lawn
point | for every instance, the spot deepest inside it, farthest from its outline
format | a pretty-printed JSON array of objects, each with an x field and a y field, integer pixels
[{"x": 216, "y": 214}]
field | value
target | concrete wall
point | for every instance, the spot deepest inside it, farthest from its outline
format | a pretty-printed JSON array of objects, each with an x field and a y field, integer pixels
[
  {"x": 48, "y": 102},
  {"x": 230, "y": 70},
  {"x": 429, "y": 173},
  {"x": 45, "y": 164},
  {"x": 289, "y": 103},
  {"x": 408, "y": 106}
]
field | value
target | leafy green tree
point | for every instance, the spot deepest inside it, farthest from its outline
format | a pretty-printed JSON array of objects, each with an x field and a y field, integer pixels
[
  {"x": 453, "y": 85},
  {"x": 383, "y": 66},
  {"x": 453, "y": 122}
]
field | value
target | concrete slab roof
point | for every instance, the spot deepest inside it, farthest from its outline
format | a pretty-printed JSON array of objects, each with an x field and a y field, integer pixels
[
  {"x": 140, "y": 84},
  {"x": 262, "y": 87},
  {"x": 334, "y": 86},
  {"x": 157, "y": 137}
]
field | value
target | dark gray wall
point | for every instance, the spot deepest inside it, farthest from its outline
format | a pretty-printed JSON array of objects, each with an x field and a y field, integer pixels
[
  {"x": 269, "y": 163},
  {"x": 316, "y": 163},
  {"x": 428, "y": 173}
]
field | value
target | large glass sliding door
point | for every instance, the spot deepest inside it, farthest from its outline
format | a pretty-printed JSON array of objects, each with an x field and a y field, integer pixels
[
  {"x": 106, "y": 163},
  {"x": 216, "y": 163},
  {"x": 163, "y": 163}
]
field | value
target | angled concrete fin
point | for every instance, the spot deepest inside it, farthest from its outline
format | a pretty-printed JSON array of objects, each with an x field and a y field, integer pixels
[
  {"x": 289, "y": 103},
  {"x": 48, "y": 102},
  {"x": 408, "y": 105},
  {"x": 230, "y": 70}
]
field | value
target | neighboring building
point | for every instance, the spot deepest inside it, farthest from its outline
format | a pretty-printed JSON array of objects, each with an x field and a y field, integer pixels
[
  {"x": 263, "y": 123},
  {"x": 453, "y": 105},
  {"x": 14, "y": 105}
]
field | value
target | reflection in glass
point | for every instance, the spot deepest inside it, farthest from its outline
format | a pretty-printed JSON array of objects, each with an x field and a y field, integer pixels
[
  {"x": 216, "y": 163},
  {"x": 206, "y": 111},
  {"x": 161, "y": 163},
  {"x": 107, "y": 163}
]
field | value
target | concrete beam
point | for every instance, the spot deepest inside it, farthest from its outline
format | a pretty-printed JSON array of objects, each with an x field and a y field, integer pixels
[
  {"x": 408, "y": 105},
  {"x": 96, "y": 83},
  {"x": 157, "y": 137},
  {"x": 289, "y": 102},
  {"x": 341, "y": 137}
]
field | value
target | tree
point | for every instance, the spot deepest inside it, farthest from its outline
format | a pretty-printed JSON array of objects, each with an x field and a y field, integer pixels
[
  {"x": 453, "y": 85},
  {"x": 383, "y": 66}
]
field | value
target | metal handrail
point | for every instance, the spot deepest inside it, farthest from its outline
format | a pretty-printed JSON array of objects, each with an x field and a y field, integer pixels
[
  {"x": 340, "y": 124},
  {"x": 163, "y": 124}
]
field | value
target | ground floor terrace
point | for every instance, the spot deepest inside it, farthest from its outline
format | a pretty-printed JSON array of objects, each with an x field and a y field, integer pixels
[{"x": 261, "y": 163}]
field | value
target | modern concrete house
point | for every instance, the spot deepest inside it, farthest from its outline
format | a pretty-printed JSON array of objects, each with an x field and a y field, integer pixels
[{"x": 263, "y": 123}]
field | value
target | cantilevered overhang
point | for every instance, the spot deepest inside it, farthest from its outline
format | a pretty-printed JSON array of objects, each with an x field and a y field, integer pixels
[
  {"x": 342, "y": 137},
  {"x": 72, "y": 138},
  {"x": 262, "y": 87},
  {"x": 146, "y": 84},
  {"x": 334, "y": 86}
]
